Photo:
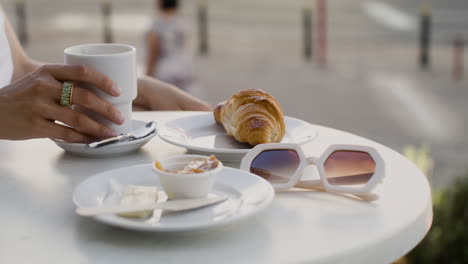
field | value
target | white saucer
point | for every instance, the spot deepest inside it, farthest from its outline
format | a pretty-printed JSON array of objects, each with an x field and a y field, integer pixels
[
  {"x": 110, "y": 150},
  {"x": 201, "y": 134},
  {"x": 247, "y": 195}
]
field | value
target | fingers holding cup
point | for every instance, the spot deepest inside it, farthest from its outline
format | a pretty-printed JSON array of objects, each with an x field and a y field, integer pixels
[
  {"x": 78, "y": 121},
  {"x": 67, "y": 134},
  {"x": 83, "y": 74},
  {"x": 87, "y": 102},
  {"x": 86, "y": 99}
]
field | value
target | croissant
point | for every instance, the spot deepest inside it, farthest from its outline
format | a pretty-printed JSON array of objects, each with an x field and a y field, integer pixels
[{"x": 251, "y": 116}]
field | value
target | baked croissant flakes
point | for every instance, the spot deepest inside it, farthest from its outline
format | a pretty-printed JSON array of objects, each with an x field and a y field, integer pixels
[{"x": 251, "y": 116}]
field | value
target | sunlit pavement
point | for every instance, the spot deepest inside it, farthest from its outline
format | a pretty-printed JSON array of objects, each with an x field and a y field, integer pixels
[{"x": 372, "y": 85}]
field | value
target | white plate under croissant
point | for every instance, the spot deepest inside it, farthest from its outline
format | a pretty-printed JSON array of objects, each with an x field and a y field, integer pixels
[
  {"x": 248, "y": 118},
  {"x": 200, "y": 134}
]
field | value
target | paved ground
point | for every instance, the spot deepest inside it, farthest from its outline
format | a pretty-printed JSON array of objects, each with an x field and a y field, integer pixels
[{"x": 372, "y": 86}]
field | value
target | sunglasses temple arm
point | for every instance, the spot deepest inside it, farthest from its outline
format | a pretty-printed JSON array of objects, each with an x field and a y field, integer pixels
[{"x": 317, "y": 185}]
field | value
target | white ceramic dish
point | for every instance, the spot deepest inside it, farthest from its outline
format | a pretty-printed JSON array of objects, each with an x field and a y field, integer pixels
[
  {"x": 185, "y": 186},
  {"x": 247, "y": 195},
  {"x": 201, "y": 134},
  {"x": 110, "y": 150}
]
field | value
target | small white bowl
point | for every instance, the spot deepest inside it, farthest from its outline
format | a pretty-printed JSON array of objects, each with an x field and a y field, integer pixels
[{"x": 185, "y": 186}]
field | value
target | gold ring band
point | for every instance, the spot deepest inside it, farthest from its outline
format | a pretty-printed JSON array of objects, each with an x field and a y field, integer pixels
[{"x": 67, "y": 93}]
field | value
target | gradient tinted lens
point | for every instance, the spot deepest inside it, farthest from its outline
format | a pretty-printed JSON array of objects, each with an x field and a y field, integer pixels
[
  {"x": 349, "y": 168},
  {"x": 276, "y": 166}
]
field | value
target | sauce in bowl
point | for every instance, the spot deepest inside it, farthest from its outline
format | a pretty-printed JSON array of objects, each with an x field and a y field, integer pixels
[{"x": 194, "y": 166}]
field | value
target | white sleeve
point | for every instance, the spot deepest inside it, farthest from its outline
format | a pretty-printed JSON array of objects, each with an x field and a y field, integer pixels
[{"x": 6, "y": 62}]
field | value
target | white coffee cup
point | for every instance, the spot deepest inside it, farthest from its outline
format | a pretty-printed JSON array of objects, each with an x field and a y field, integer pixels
[{"x": 118, "y": 62}]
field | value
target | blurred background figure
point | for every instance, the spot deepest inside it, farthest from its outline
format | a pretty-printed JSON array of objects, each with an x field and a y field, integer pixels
[{"x": 167, "y": 46}]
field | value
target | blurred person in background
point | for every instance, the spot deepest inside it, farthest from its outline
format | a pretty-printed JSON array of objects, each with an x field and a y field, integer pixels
[
  {"x": 167, "y": 53},
  {"x": 30, "y": 94}
]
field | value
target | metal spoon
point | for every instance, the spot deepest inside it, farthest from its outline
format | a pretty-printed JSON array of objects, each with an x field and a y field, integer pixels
[{"x": 144, "y": 131}]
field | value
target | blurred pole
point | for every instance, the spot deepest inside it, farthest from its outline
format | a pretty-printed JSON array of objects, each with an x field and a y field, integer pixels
[
  {"x": 21, "y": 22},
  {"x": 425, "y": 37},
  {"x": 307, "y": 26},
  {"x": 321, "y": 46},
  {"x": 106, "y": 9},
  {"x": 202, "y": 27},
  {"x": 458, "y": 46}
]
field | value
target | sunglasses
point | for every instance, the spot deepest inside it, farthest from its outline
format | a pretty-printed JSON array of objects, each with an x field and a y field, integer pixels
[{"x": 345, "y": 169}]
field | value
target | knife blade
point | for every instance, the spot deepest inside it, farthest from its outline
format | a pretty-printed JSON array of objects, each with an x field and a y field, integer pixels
[{"x": 173, "y": 205}]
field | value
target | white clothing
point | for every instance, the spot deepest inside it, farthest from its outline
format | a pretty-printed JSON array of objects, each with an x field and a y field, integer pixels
[
  {"x": 6, "y": 62},
  {"x": 174, "y": 65}
]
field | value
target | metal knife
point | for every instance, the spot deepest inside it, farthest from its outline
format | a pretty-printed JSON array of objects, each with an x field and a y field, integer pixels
[
  {"x": 174, "y": 206},
  {"x": 141, "y": 132}
]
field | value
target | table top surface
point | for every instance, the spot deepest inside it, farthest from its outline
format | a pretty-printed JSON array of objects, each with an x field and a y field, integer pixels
[{"x": 37, "y": 179}]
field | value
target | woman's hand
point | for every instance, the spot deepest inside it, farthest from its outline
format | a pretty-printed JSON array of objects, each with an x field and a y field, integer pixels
[
  {"x": 29, "y": 107},
  {"x": 156, "y": 95}
]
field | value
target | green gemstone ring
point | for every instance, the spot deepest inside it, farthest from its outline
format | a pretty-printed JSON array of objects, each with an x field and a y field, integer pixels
[{"x": 67, "y": 93}]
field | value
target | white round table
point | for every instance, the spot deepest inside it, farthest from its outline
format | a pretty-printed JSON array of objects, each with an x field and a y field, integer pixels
[{"x": 38, "y": 223}]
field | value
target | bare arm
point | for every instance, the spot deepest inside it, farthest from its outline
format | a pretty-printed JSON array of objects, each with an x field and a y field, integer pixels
[
  {"x": 153, "y": 45},
  {"x": 156, "y": 95},
  {"x": 22, "y": 64}
]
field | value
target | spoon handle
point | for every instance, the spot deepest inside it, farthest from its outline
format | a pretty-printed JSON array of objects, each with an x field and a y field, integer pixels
[{"x": 107, "y": 141}]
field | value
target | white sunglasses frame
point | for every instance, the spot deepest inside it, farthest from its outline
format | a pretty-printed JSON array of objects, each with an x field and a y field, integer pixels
[{"x": 322, "y": 184}]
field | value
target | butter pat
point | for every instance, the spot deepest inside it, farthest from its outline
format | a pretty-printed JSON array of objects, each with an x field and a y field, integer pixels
[{"x": 139, "y": 195}]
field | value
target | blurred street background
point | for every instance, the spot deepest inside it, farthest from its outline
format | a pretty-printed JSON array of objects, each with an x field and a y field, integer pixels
[{"x": 372, "y": 84}]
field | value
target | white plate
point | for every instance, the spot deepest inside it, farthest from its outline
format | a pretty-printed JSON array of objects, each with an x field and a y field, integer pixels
[
  {"x": 247, "y": 194},
  {"x": 200, "y": 134},
  {"x": 109, "y": 150}
]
